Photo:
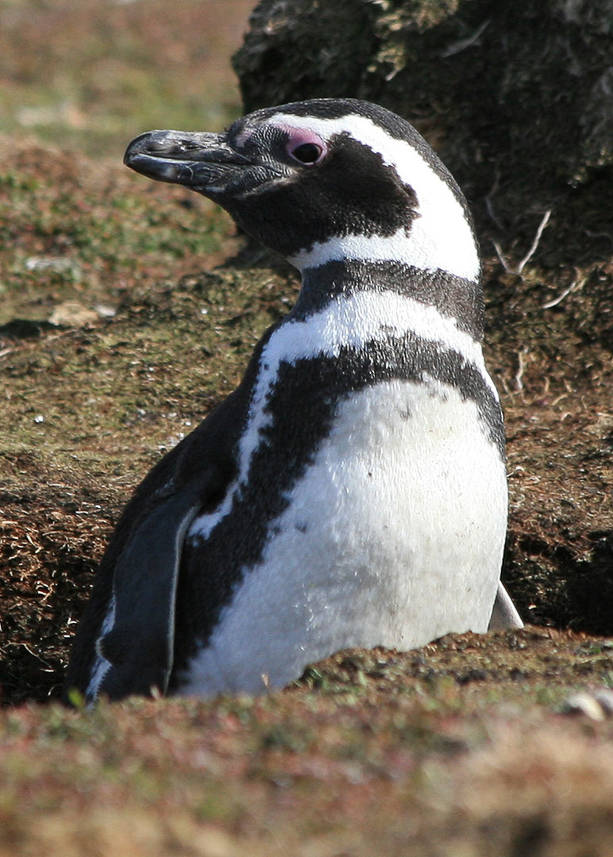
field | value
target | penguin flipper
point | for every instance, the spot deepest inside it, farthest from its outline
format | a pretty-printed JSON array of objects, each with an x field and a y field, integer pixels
[
  {"x": 125, "y": 641},
  {"x": 504, "y": 613},
  {"x": 139, "y": 645}
]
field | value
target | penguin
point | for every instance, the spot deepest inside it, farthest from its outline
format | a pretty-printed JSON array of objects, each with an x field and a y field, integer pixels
[{"x": 352, "y": 490}]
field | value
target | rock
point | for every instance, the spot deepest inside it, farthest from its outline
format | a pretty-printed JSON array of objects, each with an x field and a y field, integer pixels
[
  {"x": 595, "y": 704},
  {"x": 73, "y": 314}
]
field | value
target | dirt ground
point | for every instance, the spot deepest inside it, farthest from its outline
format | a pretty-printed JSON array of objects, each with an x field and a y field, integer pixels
[{"x": 118, "y": 333}]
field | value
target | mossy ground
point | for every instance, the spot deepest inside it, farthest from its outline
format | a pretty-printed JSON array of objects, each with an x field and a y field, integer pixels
[
  {"x": 118, "y": 333},
  {"x": 459, "y": 748}
]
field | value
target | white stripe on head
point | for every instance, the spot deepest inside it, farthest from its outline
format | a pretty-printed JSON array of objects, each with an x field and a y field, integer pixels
[{"x": 440, "y": 237}]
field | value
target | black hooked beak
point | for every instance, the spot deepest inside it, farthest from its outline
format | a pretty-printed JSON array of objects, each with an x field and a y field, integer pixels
[{"x": 199, "y": 160}]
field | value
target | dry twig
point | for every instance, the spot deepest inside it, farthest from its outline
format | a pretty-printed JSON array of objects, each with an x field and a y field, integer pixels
[
  {"x": 576, "y": 283},
  {"x": 535, "y": 243},
  {"x": 522, "y": 264}
]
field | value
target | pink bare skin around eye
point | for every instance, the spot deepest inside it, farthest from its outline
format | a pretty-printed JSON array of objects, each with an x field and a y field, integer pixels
[
  {"x": 300, "y": 137},
  {"x": 296, "y": 137}
]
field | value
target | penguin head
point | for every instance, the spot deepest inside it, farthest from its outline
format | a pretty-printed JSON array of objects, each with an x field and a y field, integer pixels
[{"x": 324, "y": 179}]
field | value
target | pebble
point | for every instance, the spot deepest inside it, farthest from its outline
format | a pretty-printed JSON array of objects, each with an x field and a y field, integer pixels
[{"x": 595, "y": 704}]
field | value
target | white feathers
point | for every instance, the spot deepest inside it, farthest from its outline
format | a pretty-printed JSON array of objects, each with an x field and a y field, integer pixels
[
  {"x": 349, "y": 321},
  {"x": 440, "y": 237},
  {"x": 393, "y": 537}
]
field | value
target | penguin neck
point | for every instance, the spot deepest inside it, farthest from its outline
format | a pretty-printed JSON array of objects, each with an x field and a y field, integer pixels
[{"x": 452, "y": 296}]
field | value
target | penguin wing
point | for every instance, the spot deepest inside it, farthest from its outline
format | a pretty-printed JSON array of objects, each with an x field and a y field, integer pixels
[
  {"x": 125, "y": 640},
  {"x": 139, "y": 645},
  {"x": 504, "y": 613}
]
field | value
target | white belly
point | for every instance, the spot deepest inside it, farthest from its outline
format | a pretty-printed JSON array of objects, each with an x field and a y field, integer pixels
[{"x": 393, "y": 537}]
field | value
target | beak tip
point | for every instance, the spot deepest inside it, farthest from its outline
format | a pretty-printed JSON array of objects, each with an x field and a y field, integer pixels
[{"x": 196, "y": 160}]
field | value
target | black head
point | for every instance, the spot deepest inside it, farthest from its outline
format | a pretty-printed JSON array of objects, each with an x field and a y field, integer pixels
[{"x": 339, "y": 174}]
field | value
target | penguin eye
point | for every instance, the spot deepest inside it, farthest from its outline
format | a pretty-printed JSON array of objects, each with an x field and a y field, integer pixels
[{"x": 307, "y": 153}]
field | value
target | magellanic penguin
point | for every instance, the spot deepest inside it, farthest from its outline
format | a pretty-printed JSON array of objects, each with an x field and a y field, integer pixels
[{"x": 352, "y": 490}]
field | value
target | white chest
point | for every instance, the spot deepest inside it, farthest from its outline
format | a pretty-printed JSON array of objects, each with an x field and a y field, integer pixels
[{"x": 393, "y": 537}]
